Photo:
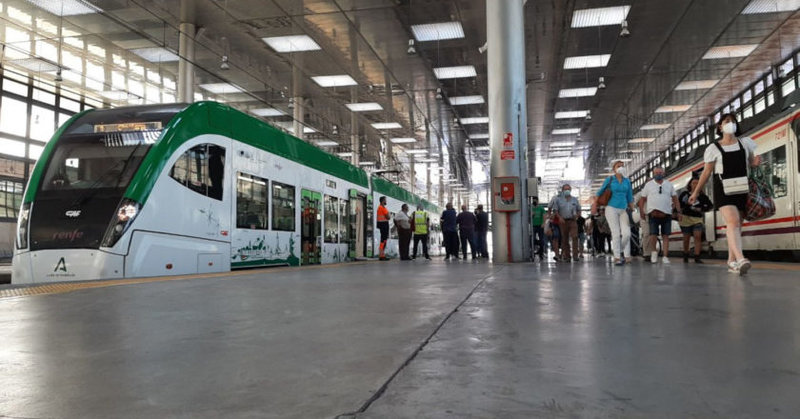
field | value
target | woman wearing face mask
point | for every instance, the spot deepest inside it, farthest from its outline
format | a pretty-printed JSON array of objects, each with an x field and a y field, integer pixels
[
  {"x": 728, "y": 160},
  {"x": 616, "y": 211}
]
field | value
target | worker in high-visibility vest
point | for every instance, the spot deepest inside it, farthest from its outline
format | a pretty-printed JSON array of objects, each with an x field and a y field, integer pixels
[
  {"x": 421, "y": 226},
  {"x": 383, "y": 226}
]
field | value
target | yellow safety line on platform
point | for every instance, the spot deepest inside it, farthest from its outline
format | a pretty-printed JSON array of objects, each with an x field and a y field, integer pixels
[{"x": 64, "y": 287}]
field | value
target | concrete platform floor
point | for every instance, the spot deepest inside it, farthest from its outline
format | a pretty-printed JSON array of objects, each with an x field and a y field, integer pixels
[{"x": 444, "y": 340}]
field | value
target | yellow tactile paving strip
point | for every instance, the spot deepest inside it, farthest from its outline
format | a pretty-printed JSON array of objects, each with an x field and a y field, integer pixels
[{"x": 65, "y": 287}]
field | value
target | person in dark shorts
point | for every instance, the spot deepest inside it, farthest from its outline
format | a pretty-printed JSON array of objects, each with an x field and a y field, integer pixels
[
  {"x": 691, "y": 220},
  {"x": 383, "y": 226}
]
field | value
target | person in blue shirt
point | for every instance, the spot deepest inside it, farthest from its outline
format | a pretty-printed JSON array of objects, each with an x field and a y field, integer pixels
[
  {"x": 617, "y": 211},
  {"x": 450, "y": 231}
]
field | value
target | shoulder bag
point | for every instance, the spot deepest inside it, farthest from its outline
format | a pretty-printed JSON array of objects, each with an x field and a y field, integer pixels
[{"x": 606, "y": 195}]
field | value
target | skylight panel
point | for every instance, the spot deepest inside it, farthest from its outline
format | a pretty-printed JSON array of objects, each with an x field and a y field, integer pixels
[
  {"x": 156, "y": 54},
  {"x": 771, "y": 6},
  {"x": 364, "y": 107},
  {"x": 587, "y": 61},
  {"x": 267, "y": 112},
  {"x": 221, "y": 88},
  {"x": 438, "y": 31},
  {"x": 466, "y": 100},
  {"x": 579, "y": 92},
  {"x": 455, "y": 72},
  {"x": 571, "y": 114},
  {"x": 475, "y": 120},
  {"x": 696, "y": 85},
  {"x": 403, "y": 140},
  {"x": 292, "y": 43},
  {"x": 729, "y": 51},
  {"x": 641, "y": 140},
  {"x": 479, "y": 136},
  {"x": 601, "y": 16},
  {"x": 64, "y": 7},
  {"x": 334, "y": 81}
]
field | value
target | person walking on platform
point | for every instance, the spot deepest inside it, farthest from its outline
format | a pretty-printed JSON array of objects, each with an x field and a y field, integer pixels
[
  {"x": 729, "y": 159},
  {"x": 481, "y": 228},
  {"x": 567, "y": 208},
  {"x": 383, "y": 226},
  {"x": 449, "y": 231},
  {"x": 403, "y": 224},
  {"x": 691, "y": 220},
  {"x": 658, "y": 201},
  {"x": 466, "y": 230},
  {"x": 616, "y": 211},
  {"x": 554, "y": 222},
  {"x": 581, "y": 234},
  {"x": 537, "y": 221},
  {"x": 421, "y": 225}
]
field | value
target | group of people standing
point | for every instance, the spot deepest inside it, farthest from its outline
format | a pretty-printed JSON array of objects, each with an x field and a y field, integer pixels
[
  {"x": 471, "y": 228},
  {"x": 415, "y": 225}
]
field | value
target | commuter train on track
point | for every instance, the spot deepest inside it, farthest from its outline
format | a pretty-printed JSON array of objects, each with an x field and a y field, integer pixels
[
  {"x": 774, "y": 238},
  {"x": 181, "y": 189}
]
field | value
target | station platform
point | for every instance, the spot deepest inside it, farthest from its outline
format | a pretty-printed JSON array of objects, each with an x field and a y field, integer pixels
[{"x": 419, "y": 339}]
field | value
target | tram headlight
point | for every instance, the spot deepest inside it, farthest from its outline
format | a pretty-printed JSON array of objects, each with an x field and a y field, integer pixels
[
  {"x": 122, "y": 219},
  {"x": 22, "y": 226}
]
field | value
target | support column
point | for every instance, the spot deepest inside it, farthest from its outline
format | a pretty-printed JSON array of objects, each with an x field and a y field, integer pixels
[
  {"x": 505, "y": 32},
  {"x": 428, "y": 181},
  {"x": 297, "y": 94},
  {"x": 413, "y": 174},
  {"x": 186, "y": 52}
]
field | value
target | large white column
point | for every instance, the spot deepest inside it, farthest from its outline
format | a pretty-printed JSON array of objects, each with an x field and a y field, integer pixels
[
  {"x": 505, "y": 31},
  {"x": 186, "y": 52}
]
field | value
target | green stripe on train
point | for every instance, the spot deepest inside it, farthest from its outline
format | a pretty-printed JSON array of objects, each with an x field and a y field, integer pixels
[{"x": 215, "y": 118}]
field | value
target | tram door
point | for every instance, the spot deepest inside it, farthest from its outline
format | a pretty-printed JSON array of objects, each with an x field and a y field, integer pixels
[
  {"x": 311, "y": 230},
  {"x": 358, "y": 224}
]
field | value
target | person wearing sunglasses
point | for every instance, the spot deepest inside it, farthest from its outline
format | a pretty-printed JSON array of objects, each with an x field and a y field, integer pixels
[{"x": 658, "y": 201}]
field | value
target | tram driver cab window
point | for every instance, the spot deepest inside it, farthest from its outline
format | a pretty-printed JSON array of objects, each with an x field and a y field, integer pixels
[{"x": 201, "y": 169}]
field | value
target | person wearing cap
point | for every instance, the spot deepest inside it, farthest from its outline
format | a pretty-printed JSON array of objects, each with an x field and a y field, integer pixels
[
  {"x": 567, "y": 208},
  {"x": 617, "y": 211},
  {"x": 420, "y": 225}
]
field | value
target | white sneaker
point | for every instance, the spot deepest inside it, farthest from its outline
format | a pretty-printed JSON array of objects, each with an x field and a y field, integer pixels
[
  {"x": 744, "y": 266},
  {"x": 665, "y": 260},
  {"x": 654, "y": 257},
  {"x": 733, "y": 267}
]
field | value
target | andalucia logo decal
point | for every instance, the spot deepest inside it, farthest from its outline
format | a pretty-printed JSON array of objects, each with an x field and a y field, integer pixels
[
  {"x": 61, "y": 266},
  {"x": 61, "y": 269}
]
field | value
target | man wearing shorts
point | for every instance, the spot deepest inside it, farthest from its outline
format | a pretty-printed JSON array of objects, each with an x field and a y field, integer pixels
[
  {"x": 383, "y": 226},
  {"x": 660, "y": 198}
]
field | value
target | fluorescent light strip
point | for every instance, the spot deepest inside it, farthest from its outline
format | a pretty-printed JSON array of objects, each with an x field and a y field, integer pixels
[
  {"x": 479, "y": 136},
  {"x": 566, "y": 131},
  {"x": 366, "y": 163},
  {"x": 334, "y": 81},
  {"x": 364, "y": 106},
  {"x": 156, "y": 54},
  {"x": 291, "y": 43},
  {"x": 696, "y": 84},
  {"x": 729, "y": 51},
  {"x": 579, "y": 92},
  {"x": 641, "y": 140},
  {"x": 771, "y": 6},
  {"x": 455, "y": 72},
  {"x": 345, "y": 154},
  {"x": 466, "y": 100},
  {"x": 586, "y": 61},
  {"x": 327, "y": 143},
  {"x": 221, "y": 88},
  {"x": 602, "y": 16},
  {"x": 64, "y": 7},
  {"x": 475, "y": 120},
  {"x": 571, "y": 114},
  {"x": 654, "y": 126},
  {"x": 267, "y": 112},
  {"x": 386, "y": 125},
  {"x": 404, "y": 140},
  {"x": 416, "y": 151},
  {"x": 438, "y": 31},
  {"x": 562, "y": 144},
  {"x": 624, "y": 160},
  {"x": 673, "y": 108}
]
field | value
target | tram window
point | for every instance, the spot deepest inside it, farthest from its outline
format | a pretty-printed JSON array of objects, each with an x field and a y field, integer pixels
[
  {"x": 331, "y": 219},
  {"x": 748, "y": 94},
  {"x": 748, "y": 112},
  {"x": 344, "y": 231},
  {"x": 201, "y": 169},
  {"x": 282, "y": 207},
  {"x": 774, "y": 164},
  {"x": 251, "y": 202}
]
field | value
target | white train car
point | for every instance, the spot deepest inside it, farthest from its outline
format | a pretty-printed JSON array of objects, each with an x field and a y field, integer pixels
[{"x": 180, "y": 189}]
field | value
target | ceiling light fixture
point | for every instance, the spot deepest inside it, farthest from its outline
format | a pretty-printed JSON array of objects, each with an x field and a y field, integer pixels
[
  {"x": 586, "y": 61},
  {"x": 673, "y": 108},
  {"x": 221, "y": 88},
  {"x": 364, "y": 106},
  {"x": 466, "y": 100},
  {"x": 327, "y": 143},
  {"x": 641, "y": 140},
  {"x": 588, "y": 115},
  {"x": 729, "y": 51},
  {"x": 345, "y": 154},
  {"x": 334, "y": 81},
  {"x": 625, "y": 32},
  {"x": 411, "y": 49},
  {"x": 479, "y": 136},
  {"x": 579, "y": 92},
  {"x": 601, "y": 83},
  {"x": 403, "y": 140},
  {"x": 65, "y": 7},
  {"x": 267, "y": 112},
  {"x": 292, "y": 43},
  {"x": 417, "y": 151},
  {"x": 602, "y": 16},
  {"x": 475, "y": 120},
  {"x": 456, "y": 72},
  {"x": 439, "y": 93},
  {"x": 156, "y": 54},
  {"x": 696, "y": 85},
  {"x": 366, "y": 163},
  {"x": 771, "y": 6},
  {"x": 562, "y": 131},
  {"x": 224, "y": 64},
  {"x": 571, "y": 114},
  {"x": 654, "y": 127},
  {"x": 438, "y": 31},
  {"x": 386, "y": 125}
]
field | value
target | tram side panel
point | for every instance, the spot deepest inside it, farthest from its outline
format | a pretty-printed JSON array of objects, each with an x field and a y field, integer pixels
[{"x": 184, "y": 227}]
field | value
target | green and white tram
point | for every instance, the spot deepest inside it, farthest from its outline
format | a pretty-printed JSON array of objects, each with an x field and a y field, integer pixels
[{"x": 181, "y": 189}]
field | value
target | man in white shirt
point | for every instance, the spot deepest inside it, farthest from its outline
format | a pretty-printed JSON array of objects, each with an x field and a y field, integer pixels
[
  {"x": 660, "y": 198},
  {"x": 403, "y": 223}
]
